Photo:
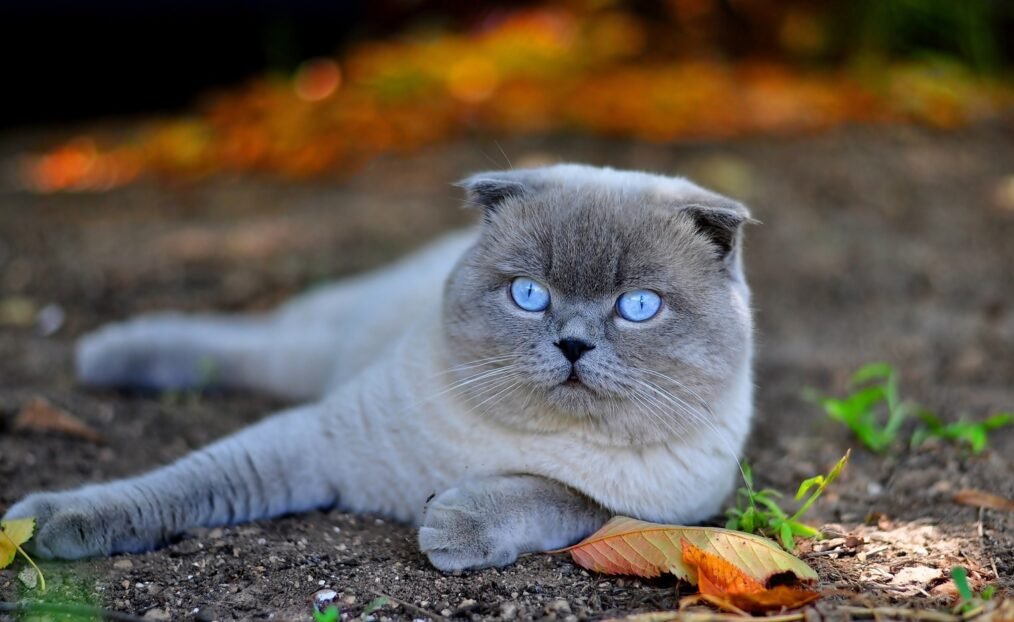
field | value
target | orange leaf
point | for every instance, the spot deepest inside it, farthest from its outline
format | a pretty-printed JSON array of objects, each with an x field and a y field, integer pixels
[
  {"x": 717, "y": 576},
  {"x": 725, "y": 585},
  {"x": 776, "y": 599}
]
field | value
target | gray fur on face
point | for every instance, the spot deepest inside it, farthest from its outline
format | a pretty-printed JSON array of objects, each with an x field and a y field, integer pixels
[{"x": 589, "y": 235}]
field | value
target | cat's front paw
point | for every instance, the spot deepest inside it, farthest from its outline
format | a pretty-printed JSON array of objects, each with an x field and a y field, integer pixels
[
  {"x": 66, "y": 526},
  {"x": 457, "y": 533}
]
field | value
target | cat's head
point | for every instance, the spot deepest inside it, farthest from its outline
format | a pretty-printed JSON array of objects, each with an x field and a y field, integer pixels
[{"x": 598, "y": 299}]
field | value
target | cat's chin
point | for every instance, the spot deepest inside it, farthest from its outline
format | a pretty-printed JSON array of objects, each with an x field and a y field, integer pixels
[{"x": 576, "y": 398}]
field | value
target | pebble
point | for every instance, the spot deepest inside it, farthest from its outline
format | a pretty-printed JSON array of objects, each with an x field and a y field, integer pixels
[
  {"x": 29, "y": 577},
  {"x": 157, "y": 614},
  {"x": 49, "y": 320},
  {"x": 123, "y": 564},
  {"x": 322, "y": 599},
  {"x": 508, "y": 611}
]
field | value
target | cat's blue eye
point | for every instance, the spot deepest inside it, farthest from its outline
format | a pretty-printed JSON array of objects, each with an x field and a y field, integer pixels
[
  {"x": 529, "y": 294},
  {"x": 639, "y": 305}
]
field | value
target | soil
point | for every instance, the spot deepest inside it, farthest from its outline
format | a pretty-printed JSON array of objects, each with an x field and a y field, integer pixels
[{"x": 882, "y": 243}]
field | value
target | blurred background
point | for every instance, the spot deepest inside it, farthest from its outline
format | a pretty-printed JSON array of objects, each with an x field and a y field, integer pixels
[{"x": 298, "y": 89}]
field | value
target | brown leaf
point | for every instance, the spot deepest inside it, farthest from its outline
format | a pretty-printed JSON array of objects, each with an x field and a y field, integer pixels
[
  {"x": 981, "y": 499},
  {"x": 39, "y": 415}
]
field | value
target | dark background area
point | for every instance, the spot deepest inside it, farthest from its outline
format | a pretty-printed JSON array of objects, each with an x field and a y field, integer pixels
[{"x": 66, "y": 62}]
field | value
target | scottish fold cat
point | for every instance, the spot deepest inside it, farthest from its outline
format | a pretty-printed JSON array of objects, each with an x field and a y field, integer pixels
[{"x": 585, "y": 352}]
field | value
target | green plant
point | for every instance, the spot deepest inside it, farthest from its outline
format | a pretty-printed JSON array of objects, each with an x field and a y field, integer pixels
[
  {"x": 331, "y": 614},
  {"x": 758, "y": 511},
  {"x": 376, "y": 603},
  {"x": 874, "y": 399},
  {"x": 875, "y": 412},
  {"x": 967, "y": 600},
  {"x": 974, "y": 433}
]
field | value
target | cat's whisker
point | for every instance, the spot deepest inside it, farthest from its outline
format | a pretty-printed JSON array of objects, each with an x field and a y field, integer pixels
[
  {"x": 684, "y": 407},
  {"x": 486, "y": 374},
  {"x": 489, "y": 373},
  {"x": 472, "y": 365},
  {"x": 504, "y": 154},
  {"x": 513, "y": 384},
  {"x": 645, "y": 408},
  {"x": 528, "y": 398},
  {"x": 703, "y": 402},
  {"x": 475, "y": 391},
  {"x": 690, "y": 410},
  {"x": 697, "y": 417},
  {"x": 659, "y": 417}
]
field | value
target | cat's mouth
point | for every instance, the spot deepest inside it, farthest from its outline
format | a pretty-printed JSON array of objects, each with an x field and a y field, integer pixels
[{"x": 573, "y": 380}]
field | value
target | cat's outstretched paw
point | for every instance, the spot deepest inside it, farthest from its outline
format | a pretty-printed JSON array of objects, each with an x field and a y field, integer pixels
[
  {"x": 458, "y": 533},
  {"x": 66, "y": 527}
]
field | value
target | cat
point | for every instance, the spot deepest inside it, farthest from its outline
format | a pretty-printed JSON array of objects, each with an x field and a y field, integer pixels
[{"x": 586, "y": 351}]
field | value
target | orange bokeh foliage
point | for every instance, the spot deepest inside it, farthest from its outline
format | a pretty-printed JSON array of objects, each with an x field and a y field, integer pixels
[{"x": 605, "y": 72}]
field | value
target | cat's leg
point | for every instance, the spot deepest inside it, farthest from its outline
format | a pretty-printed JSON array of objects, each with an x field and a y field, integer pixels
[
  {"x": 489, "y": 521},
  {"x": 179, "y": 351},
  {"x": 275, "y": 467}
]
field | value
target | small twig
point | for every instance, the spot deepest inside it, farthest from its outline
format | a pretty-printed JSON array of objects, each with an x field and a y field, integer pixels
[
  {"x": 864, "y": 555},
  {"x": 28, "y": 607},
  {"x": 924, "y": 615},
  {"x": 409, "y": 606},
  {"x": 838, "y": 550}
]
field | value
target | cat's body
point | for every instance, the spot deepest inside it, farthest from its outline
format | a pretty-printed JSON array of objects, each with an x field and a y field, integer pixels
[{"x": 443, "y": 402}]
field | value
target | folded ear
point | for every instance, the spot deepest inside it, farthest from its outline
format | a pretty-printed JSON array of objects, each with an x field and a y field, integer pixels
[
  {"x": 489, "y": 190},
  {"x": 721, "y": 222}
]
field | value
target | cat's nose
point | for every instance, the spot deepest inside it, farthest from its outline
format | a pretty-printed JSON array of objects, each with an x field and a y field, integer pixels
[{"x": 573, "y": 348}]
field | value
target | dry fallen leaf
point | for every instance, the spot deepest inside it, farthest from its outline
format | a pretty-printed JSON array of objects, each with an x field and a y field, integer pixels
[
  {"x": 723, "y": 583},
  {"x": 628, "y": 546},
  {"x": 39, "y": 415},
  {"x": 981, "y": 499}
]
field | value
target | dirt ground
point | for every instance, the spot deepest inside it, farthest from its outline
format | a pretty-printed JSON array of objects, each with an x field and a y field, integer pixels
[{"x": 877, "y": 244}]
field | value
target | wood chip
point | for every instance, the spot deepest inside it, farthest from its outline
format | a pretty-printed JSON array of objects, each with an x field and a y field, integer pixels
[{"x": 39, "y": 415}]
